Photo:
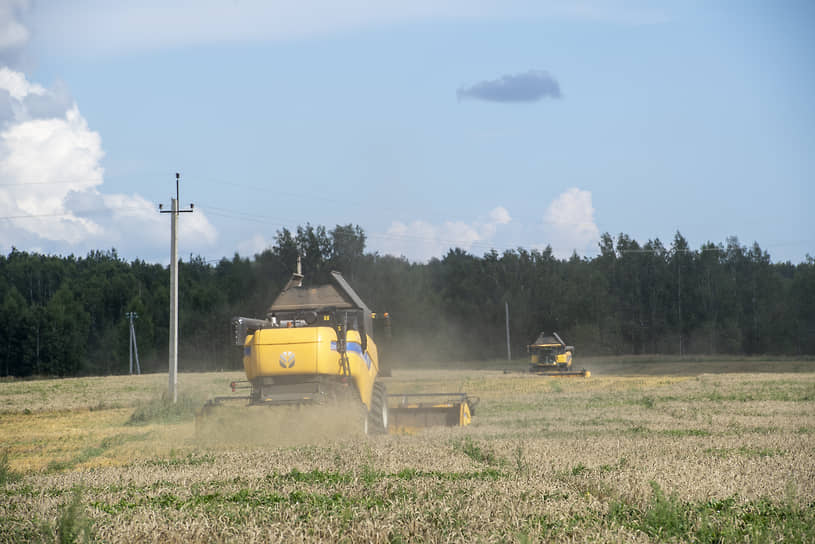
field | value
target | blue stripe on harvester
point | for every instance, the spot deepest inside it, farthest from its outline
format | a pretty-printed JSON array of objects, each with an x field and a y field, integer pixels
[{"x": 356, "y": 347}]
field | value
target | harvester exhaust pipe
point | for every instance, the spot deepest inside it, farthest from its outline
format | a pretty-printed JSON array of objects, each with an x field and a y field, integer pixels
[{"x": 296, "y": 279}]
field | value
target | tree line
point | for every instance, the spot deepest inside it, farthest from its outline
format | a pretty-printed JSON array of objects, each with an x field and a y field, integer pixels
[{"x": 65, "y": 316}]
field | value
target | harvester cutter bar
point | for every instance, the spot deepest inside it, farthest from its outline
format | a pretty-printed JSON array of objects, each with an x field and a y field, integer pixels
[
  {"x": 560, "y": 373},
  {"x": 442, "y": 398},
  {"x": 233, "y": 397},
  {"x": 218, "y": 400},
  {"x": 417, "y": 410}
]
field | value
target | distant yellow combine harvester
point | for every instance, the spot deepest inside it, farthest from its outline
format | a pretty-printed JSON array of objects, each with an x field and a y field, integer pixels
[{"x": 550, "y": 356}]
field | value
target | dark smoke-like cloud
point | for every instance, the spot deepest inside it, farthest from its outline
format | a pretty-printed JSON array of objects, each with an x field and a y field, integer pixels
[{"x": 527, "y": 87}]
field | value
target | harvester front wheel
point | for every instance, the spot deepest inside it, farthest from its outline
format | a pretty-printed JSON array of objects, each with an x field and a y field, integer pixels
[{"x": 377, "y": 421}]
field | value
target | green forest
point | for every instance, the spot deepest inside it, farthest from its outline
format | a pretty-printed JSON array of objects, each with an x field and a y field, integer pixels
[{"x": 65, "y": 316}]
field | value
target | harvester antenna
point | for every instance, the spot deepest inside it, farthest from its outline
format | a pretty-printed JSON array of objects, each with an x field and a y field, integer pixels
[{"x": 173, "y": 363}]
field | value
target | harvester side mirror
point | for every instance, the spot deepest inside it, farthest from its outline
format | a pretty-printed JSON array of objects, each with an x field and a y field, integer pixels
[
  {"x": 243, "y": 326},
  {"x": 239, "y": 329}
]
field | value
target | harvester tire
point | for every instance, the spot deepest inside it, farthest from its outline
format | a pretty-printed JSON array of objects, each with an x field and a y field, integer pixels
[{"x": 377, "y": 422}]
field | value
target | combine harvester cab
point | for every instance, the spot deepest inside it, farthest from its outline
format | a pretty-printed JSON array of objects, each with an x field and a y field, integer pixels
[
  {"x": 550, "y": 356},
  {"x": 315, "y": 346}
]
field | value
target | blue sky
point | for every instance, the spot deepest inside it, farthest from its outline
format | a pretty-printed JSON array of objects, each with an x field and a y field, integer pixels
[{"x": 695, "y": 117}]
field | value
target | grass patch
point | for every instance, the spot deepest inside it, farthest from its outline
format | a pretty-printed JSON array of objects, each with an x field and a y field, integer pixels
[
  {"x": 94, "y": 451},
  {"x": 648, "y": 402},
  {"x": 104, "y": 405},
  {"x": 639, "y": 429},
  {"x": 191, "y": 460},
  {"x": 163, "y": 410},
  {"x": 621, "y": 464},
  {"x": 735, "y": 428},
  {"x": 479, "y": 453},
  {"x": 252, "y": 498},
  {"x": 315, "y": 476},
  {"x": 521, "y": 466},
  {"x": 685, "y": 432},
  {"x": 7, "y": 476},
  {"x": 745, "y": 451},
  {"x": 667, "y": 518},
  {"x": 766, "y": 392},
  {"x": 369, "y": 476},
  {"x": 413, "y": 474},
  {"x": 73, "y": 524}
]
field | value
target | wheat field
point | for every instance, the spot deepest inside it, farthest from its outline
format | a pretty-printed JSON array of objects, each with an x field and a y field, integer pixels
[{"x": 632, "y": 454}]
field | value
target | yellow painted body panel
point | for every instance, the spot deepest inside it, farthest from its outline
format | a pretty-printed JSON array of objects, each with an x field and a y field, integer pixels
[
  {"x": 465, "y": 417},
  {"x": 309, "y": 351},
  {"x": 560, "y": 358},
  {"x": 565, "y": 358}
]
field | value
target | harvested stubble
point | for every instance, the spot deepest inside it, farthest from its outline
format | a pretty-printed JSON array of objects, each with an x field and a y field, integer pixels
[{"x": 609, "y": 459}]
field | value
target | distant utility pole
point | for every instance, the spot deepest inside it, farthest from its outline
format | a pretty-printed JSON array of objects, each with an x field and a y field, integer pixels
[
  {"x": 173, "y": 391},
  {"x": 509, "y": 351},
  {"x": 679, "y": 302},
  {"x": 133, "y": 346}
]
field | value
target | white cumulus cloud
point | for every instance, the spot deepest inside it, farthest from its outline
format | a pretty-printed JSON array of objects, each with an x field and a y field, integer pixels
[
  {"x": 17, "y": 85},
  {"x": 254, "y": 245},
  {"x": 569, "y": 223},
  {"x": 51, "y": 176},
  {"x": 420, "y": 241}
]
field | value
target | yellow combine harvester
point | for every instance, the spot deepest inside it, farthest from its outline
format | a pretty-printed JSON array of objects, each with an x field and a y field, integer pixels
[
  {"x": 316, "y": 346},
  {"x": 550, "y": 356}
]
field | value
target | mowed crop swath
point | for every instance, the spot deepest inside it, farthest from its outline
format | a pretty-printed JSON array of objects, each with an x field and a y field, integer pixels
[{"x": 613, "y": 458}]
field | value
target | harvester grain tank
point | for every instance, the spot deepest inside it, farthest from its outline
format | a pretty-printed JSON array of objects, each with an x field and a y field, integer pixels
[
  {"x": 316, "y": 346},
  {"x": 550, "y": 356}
]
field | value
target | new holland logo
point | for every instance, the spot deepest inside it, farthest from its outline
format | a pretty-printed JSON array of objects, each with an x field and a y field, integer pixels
[{"x": 287, "y": 359}]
